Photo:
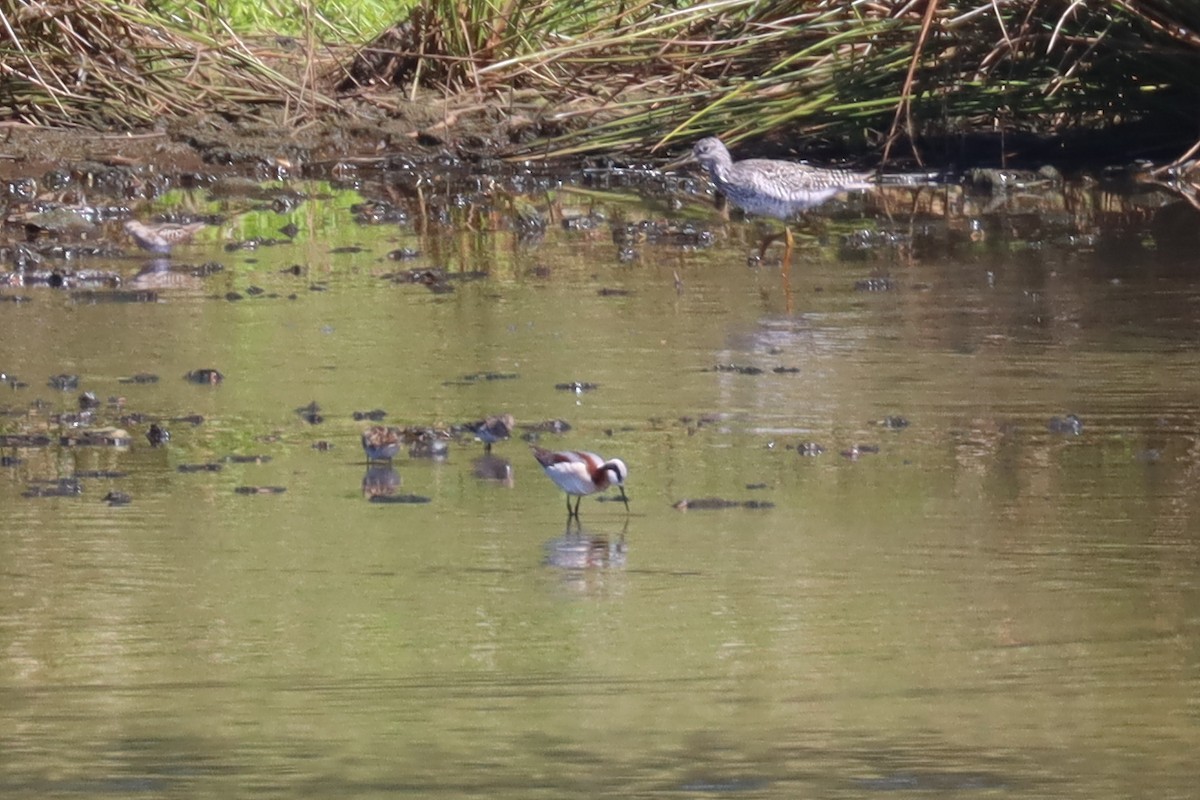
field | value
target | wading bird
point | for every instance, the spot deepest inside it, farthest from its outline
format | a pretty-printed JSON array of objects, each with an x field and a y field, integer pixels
[
  {"x": 773, "y": 188},
  {"x": 579, "y": 473}
]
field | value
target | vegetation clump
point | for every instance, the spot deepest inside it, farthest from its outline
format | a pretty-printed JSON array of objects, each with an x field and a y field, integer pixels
[{"x": 590, "y": 75}]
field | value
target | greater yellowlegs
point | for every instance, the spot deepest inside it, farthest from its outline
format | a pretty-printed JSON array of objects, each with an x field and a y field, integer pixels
[
  {"x": 773, "y": 188},
  {"x": 578, "y": 472}
]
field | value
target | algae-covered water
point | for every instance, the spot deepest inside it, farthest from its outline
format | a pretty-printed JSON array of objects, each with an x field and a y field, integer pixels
[{"x": 952, "y": 453}]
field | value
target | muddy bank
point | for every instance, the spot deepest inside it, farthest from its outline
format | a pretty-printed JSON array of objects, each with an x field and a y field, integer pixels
[{"x": 212, "y": 143}]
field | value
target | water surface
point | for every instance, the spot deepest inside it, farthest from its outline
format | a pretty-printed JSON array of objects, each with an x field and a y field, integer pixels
[{"x": 986, "y": 606}]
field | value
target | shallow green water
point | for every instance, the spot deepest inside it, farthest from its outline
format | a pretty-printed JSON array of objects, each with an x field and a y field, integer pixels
[{"x": 985, "y": 607}]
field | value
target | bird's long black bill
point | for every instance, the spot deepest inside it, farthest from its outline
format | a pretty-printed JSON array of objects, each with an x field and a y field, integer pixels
[{"x": 624, "y": 499}]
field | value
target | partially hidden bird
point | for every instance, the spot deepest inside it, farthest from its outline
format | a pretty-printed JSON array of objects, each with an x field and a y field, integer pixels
[
  {"x": 381, "y": 443},
  {"x": 492, "y": 429},
  {"x": 160, "y": 237}
]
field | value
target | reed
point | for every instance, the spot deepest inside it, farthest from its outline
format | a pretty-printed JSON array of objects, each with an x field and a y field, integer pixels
[
  {"x": 598, "y": 75},
  {"x": 114, "y": 63},
  {"x": 620, "y": 75}
]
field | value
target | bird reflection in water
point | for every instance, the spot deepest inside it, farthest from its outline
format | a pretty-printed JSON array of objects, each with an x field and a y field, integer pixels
[
  {"x": 579, "y": 551},
  {"x": 157, "y": 274},
  {"x": 493, "y": 468},
  {"x": 380, "y": 480}
]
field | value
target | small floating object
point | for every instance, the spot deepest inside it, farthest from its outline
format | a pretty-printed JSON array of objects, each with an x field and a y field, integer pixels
[
  {"x": 322, "y": 445},
  {"x": 140, "y": 378},
  {"x": 260, "y": 490},
  {"x": 578, "y": 387},
  {"x": 107, "y": 474},
  {"x": 403, "y": 499},
  {"x": 809, "y": 449},
  {"x": 63, "y": 382},
  {"x": 209, "y": 376},
  {"x": 249, "y": 459},
  {"x": 374, "y": 415},
  {"x": 893, "y": 422},
  {"x": 490, "y": 376},
  {"x": 63, "y": 487},
  {"x": 188, "y": 468},
  {"x": 1070, "y": 424},
  {"x": 99, "y": 437},
  {"x": 160, "y": 237},
  {"x": 739, "y": 369},
  {"x": 117, "y": 498},
  {"x": 88, "y": 400},
  {"x": 157, "y": 435}
]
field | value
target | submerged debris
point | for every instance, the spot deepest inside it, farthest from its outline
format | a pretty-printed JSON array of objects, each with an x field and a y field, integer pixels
[
  {"x": 63, "y": 487},
  {"x": 246, "y": 459},
  {"x": 115, "y": 498},
  {"x": 100, "y": 437},
  {"x": 1070, "y": 425},
  {"x": 739, "y": 369},
  {"x": 719, "y": 503},
  {"x": 140, "y": 378}
]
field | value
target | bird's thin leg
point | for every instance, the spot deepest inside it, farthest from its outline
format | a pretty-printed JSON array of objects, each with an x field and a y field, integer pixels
[
  {"x": 766, "y": 242},
  {"x": 789, "y": 244}
]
